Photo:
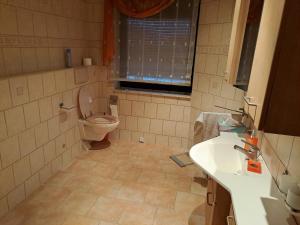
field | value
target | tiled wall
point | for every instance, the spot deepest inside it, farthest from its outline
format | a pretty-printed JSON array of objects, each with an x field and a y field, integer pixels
[
  {"x": 36, "y": 138},
  {"x": 209, "y": 87},
  {"x": 281, "y": 152},
  {"x": 34, "y": 33},
  {"x": 159, "y": 119}
]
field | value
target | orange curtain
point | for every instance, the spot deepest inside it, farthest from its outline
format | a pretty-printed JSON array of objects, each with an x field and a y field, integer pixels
[{"x": 131, "y": 8}]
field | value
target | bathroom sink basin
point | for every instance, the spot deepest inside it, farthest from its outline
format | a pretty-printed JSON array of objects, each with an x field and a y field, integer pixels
[{"x": 218, "y": 157}]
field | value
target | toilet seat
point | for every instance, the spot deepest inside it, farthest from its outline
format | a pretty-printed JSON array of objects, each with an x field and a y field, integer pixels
[
  {"x": 102, "y": 119},
  {"x": 85, "y": 107},
  {"x": 94, "y": 127}
]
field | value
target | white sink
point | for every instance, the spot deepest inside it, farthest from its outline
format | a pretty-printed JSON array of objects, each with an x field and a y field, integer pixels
[{"x": 219, "y": 157}]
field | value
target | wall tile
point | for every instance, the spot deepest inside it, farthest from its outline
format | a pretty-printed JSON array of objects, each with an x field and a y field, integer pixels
[
  {"x": 138, "y": 108},
  {"x": 53, "y": 127},
  {"x": 3, "y": 130},
  {"x": 35, "y": 86},
  {"x": 32, "y": 184},
  {"x": 21, "y": 170},
  {"x": 163, "y": 111},
  {"x": 2, "y": 64},
  {"x": 226, "y": 10},
  {"x": 175, "y": 142},
  {"x": 32, "y": 114},
  {"x": 284, "y": 148},
  {"x": 203, "y": 35},
  {"x": 13, "y": 60},
  {"x": 39, "y": 24},
  {"x": 3, "y": 207},
  {"x": 45, "y": 105},
  {"x": 169, "y": 128},
  {"x": 70, "y": 139},
  {"x": 162, "y": 140},
  {"x": 149, "y": 138},
  {"x": 215, "y": 86},
  {"x": 16, "y": 196},
  {"x": 49, "y": 83},
  {"x": 19, "y": 90},
  {"x": 227, "y": 91},
  {"x": 36, "y": 160},
  {"x": 15, "y": 120},
  {"x": 49, "y": 151},
  {"x": 125, "y": 135},
  {"x": 131, "y": 123},
  {"x": 29, "y": 60},
  {"x": 209, "y": 12},
  {"x": 56, "y": 164},
  {"x": 6, "y": 181},
  {"x": 5, "y": 99},
  {"x": 156, "y": 126},
  {"x": 56, "y": 100},
  {"x": 45, "y": 173},
  {"x": 60, "y": 80},
  {"x": 60, "y": 144},
  {"x": 176, "y": 113},
  {"x": 182, "y": 129},
  {"x": 25, "y": 22},
  {"x": 143, "y": 124},
  {"x": 9, "y": 151},
  {"x": 41, "y": 134},
  {"x": 150, "y": 110},
  {"x": 125, "y": 107},
  {"x": 8, "y": 20},
  {"x": 211, "y": 66},
  {"x": 43, "y": 58},
  {"x": 27, "y": 142}
]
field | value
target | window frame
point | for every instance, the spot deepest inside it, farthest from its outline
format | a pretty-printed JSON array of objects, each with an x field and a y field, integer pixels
[{"x": 135, "y": 85}]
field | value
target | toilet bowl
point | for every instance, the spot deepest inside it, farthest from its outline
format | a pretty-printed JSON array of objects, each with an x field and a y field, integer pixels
[{"x": 92, "y": 126}]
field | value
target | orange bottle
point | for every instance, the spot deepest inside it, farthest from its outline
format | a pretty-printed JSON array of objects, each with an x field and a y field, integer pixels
[{"x": 252, "y": 139}]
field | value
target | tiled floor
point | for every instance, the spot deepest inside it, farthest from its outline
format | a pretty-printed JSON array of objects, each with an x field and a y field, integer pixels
[{"x": 126, "y": 184}]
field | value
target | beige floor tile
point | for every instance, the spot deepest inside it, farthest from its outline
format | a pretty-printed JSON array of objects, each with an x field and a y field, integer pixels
[
  {"x": 163, "y": 198},
  {"x": 128, "y": 175},
  {"x": 80, "y": 220},
  {"x": 188, "y": 202},
  {"x": 132, "y": 192},
  {"x": 135, "y": 219},
  {"x": 107, "y": 209},
  {"x": 78, "y": 203},
  {"x": 126, "y": 184},
  {"x": 103, "y": 170},
  {"x": 170, "y": 217},
  {"x": 81, "y": 166},
  {"x": 49, "y": 195},
  {"x": 106, "y": 187}
]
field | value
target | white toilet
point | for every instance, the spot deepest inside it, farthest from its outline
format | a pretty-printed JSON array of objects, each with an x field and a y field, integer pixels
[{"x": 94, "y": 127}]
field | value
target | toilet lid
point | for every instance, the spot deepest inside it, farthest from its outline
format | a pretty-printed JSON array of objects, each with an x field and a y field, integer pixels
[
  {"x": 85, "y": 102},
  {"x": 102, "y": 119}
]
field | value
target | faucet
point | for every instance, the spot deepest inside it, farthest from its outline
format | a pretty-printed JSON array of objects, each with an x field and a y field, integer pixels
[{"x": 253, "y": 153}]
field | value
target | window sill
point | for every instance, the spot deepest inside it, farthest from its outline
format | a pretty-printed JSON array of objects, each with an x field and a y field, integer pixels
[{"x": 153, "y": 93}]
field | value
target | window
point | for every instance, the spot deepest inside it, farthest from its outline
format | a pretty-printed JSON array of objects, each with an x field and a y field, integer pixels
[{"x": 158, "y": 51}]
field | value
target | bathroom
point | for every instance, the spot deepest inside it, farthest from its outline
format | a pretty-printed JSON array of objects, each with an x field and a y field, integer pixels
[{"x": 132, "y": 112}]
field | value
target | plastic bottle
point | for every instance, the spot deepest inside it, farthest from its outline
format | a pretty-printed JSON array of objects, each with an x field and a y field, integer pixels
[
  {"x": 68, "y": 55},
  {"x": 252, "y": 139}
]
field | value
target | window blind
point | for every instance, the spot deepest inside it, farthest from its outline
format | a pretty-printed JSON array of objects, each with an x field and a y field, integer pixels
[{"x": 158, "y": 49}]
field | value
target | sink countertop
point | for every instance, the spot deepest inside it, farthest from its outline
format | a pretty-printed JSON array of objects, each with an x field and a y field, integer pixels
[{"x": 251, "y": 193}]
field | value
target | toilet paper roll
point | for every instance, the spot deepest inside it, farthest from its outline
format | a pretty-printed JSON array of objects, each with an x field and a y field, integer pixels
[
  {"x": 286, "y": 182},
  {"x": 87, "y": 61},
  {"x": 293, "y": 197}
]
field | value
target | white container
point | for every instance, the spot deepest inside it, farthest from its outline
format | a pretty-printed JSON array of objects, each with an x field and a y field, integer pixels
[{"x": 87, "y": 61}]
